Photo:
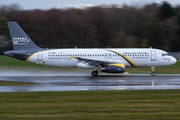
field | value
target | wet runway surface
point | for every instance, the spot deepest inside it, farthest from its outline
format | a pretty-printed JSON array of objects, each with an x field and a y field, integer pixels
[{"x": 77, "y": 82}]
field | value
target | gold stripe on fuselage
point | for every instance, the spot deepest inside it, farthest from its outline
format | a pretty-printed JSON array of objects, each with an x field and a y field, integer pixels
[
  {"x": 126, "y": 58},
  {"x": 32, "y": 55}
]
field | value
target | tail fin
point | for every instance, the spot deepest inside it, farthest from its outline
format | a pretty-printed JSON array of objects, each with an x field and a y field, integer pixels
[{"x": 20, "y": 40}]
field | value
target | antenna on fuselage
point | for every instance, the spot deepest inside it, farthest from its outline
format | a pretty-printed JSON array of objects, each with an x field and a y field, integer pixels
[
  {"x": 75, "y": 47},
  {"x": 150, "y": 47}
]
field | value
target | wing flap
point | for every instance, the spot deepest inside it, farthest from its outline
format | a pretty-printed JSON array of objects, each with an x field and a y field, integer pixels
[{"x": 93, "y": 61}]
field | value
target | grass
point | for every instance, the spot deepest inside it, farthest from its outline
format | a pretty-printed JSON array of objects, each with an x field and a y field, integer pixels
[
  {"x": 12, "y": 83},
  {"x": 111, "y": 105},
  {"x": 8, "y": 63},
  {"x": 11, "y": 62}
]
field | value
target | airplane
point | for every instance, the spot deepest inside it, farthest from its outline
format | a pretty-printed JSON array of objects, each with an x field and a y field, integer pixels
[{"x": 109, "y": 60}]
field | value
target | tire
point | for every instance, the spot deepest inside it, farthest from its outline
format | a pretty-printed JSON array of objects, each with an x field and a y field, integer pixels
[
  {"x": 94, "y": 73},
  {"x": 153, "y": 73}
]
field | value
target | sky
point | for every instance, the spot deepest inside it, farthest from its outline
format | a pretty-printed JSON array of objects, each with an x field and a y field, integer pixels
[{"x": 49, "y": 4}]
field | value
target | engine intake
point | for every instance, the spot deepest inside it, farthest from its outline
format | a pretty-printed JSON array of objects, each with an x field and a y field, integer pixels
[{"x": 113, "y": 68}]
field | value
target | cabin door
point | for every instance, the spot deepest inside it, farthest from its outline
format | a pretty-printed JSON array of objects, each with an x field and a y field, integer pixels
[
  {"x": 153, "y": 55},
  {"x": 40, "y": 56}
]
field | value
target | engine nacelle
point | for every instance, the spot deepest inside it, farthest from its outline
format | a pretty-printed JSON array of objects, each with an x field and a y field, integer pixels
[{"x": 113, "y": 68}]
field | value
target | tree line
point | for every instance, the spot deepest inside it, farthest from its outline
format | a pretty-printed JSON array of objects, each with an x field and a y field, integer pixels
[{"x": 155, "y": 25}]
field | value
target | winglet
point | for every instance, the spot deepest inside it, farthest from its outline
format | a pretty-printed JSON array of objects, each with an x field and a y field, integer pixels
[{"x": 72, "y": 57}]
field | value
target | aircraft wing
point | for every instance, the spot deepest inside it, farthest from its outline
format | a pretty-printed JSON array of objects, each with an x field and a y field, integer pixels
[{"x": 93, "y": 61}]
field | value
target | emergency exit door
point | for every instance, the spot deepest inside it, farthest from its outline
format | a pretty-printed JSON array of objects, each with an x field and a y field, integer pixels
[
  {"x": 153, "y": 55},
  {"x": 40, "y": 56}
]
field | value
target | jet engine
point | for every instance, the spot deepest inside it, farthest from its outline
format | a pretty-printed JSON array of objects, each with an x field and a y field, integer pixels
[{"x": 113, "y": 68}]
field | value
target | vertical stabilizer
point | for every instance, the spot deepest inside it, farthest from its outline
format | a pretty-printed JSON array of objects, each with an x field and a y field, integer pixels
[{"x": 20, "y": 40}]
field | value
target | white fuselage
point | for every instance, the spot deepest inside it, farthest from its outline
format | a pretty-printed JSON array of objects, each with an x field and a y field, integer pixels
[{"x": 129, "y": 57}]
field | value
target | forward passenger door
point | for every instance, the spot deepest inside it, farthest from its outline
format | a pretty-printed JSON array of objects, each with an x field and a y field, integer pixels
[{"x": 153, "y": 55}]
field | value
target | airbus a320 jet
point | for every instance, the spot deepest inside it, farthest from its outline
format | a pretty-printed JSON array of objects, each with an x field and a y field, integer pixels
[{"x": 113, "y": 60}]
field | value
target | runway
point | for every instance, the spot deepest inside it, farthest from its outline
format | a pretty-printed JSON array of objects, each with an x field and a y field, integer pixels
[{"x": 78, "y": 82}]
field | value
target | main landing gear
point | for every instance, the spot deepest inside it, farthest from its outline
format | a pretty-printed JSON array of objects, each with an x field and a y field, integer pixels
[
  {"x": 152, "y": 71},
  {"x": 94, "y": 73}
]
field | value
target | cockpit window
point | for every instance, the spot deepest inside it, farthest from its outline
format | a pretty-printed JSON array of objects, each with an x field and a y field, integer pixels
[{"x": 165, "y": 54}]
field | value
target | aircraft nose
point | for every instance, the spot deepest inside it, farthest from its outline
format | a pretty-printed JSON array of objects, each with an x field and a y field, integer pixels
[{"x": 173, "y": 61}]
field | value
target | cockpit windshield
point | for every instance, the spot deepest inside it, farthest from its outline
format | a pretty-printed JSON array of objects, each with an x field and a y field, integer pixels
[{"x": 165, "y": 54}]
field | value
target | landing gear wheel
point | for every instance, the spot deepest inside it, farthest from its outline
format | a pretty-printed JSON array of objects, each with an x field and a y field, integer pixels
[
  {"x": 94, "y": 73},
  {"x": 153, "y": 73}
]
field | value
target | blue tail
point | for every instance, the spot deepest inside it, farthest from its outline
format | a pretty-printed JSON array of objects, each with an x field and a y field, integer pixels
[{"x": 20, "y": 40}]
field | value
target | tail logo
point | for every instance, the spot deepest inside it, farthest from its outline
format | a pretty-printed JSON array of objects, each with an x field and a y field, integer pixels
[{"x": 20, "y": 40}]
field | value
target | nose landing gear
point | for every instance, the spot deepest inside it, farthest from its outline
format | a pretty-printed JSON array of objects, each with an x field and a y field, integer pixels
[{"x": 152, "y": 71}]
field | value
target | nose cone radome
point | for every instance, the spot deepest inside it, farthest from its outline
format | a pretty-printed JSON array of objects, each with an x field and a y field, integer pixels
[{"x": 173, "y": 60}]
